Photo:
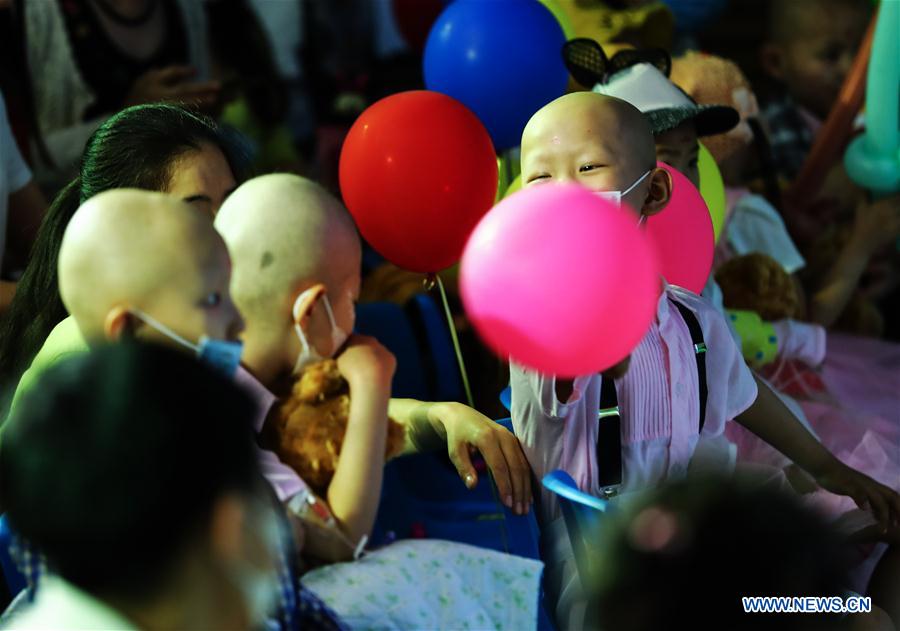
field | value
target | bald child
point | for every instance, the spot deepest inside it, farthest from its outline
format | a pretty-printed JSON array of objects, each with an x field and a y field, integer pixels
[
  {"x": 685, "y": 379},
  {"x": 145, "y": 265},
  {"x": 296, "y": 256}
]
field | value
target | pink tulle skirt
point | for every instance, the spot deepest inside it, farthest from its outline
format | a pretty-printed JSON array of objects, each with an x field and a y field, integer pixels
[{"x": 852, "y": 402}]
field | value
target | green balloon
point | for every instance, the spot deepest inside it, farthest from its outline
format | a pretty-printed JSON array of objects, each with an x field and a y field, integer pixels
[{"x": 712, "y": 188}]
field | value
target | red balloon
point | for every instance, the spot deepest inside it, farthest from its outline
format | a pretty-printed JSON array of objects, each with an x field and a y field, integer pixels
[
  {"x": 417, "y": 172},
  {"x": 683, "y": 235},
  {"x": 414, "y": 20}
]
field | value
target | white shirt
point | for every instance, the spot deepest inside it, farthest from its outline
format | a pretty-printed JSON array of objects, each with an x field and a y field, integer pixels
[
  {"x": 755, "y": 226},
  {"x": 14, "y": 173},
  {"x": 61, "y": 605}
]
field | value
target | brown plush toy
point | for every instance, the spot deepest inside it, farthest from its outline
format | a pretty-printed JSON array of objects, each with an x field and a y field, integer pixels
[
  {"x": 757, "y": 282},
  {"x": 309, "y": 425}
]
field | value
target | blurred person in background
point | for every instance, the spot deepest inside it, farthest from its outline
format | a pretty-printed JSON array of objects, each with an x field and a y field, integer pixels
[
  {"x": 684, "y": 556},
  {"x": 132, "y": 467},
  {"x": 22, "y": 207},
  {"x": 86, "y": 59}
]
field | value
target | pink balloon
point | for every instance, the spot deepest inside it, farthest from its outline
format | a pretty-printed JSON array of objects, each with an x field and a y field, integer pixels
[
  {"x": 560, "y": 280},
  {"x": 683, "y": 235}
]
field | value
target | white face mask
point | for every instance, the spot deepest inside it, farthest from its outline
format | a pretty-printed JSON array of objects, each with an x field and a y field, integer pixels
[
  {"x": 616, "y": 196},
  {"x": 308, "y": 353},
  {"x": 222, "y": 355}
]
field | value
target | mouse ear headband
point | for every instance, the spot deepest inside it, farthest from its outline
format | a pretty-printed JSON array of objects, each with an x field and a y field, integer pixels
[{"x": 589, "y": 65}]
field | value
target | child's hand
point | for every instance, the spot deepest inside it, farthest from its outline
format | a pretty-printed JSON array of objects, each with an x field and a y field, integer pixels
[
  {"x": 868, "y": 494},
  {"x": 365, "y": 361},
  {"x": 465, "y": 428},
  {"x": 877, "y": 223}
]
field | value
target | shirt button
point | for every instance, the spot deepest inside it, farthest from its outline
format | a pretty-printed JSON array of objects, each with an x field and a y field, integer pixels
[{"x": 680, "y": 389}]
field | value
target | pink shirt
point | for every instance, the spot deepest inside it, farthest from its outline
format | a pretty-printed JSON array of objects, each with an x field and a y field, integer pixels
[
  {"x": 283, "y": 479},
  {"x": 658, "y": 399}
]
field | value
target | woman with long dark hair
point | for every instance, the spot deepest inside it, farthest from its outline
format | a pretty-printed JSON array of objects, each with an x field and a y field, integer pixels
[{"x": 155, "y": 147}]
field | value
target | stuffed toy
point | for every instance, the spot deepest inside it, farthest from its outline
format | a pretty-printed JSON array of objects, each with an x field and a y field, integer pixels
[
  {"x": 712, "y": 80},
  {"x": 309, "y": 425},
  {"x": 757, "y": 282},
  {"x": 759, "y": 340},
  {"x": 643, "y": 23}
]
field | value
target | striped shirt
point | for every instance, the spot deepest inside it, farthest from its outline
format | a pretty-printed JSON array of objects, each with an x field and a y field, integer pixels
[{"x": 658, "y": 400}]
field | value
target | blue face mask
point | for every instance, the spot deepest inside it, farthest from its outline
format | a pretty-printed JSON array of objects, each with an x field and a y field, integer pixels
[{"x": 223, "y": 356}]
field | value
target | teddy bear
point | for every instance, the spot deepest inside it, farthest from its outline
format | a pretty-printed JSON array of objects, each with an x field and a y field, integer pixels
[
  {"x": 309, "y": 425},
  {"x": 757, "y": 282}
]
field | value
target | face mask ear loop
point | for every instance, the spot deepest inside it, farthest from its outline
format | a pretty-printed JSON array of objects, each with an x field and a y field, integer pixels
[
  {"x": 329, "y": 311},
  {"x": 631, "y": 188},
  {"x": 638, "y": 181},
  {"x": 164, "y": 329},
  {"x": 300, "y": 334}
]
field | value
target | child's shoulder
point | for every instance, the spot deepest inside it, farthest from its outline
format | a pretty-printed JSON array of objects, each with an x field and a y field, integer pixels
[
  {"x": 696, "y": 303},
  {"x": 709, "y": 317}
]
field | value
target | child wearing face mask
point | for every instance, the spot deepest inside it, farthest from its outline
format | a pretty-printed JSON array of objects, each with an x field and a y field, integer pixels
[
  {"x": 145, "y": 265},
  {"x": 296, "y": 274},
  {"x": 639, "y": 425}
]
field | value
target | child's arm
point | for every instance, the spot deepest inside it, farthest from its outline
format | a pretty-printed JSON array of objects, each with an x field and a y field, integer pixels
[
  {"x": 355, "y": 489},
  {"x": 769, "y": 419},
  {"x": 458, "y": 428},
  {"x": 877, "y": 225}
]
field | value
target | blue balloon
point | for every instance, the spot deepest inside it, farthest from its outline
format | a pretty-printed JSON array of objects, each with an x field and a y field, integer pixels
[{"x": 501, "y": 58}]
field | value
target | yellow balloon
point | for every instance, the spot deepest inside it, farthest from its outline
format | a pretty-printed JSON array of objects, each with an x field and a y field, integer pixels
[
  {"x": 561, "y": 16},
  {"x": 712, "y": 188},
  {"x": 501, "y": 180},
  {"x": 514, "y": 186}
]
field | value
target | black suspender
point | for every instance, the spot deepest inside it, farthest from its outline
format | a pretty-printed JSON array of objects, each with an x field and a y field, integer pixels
[
  {"x": 609, "y": 436},
  {"x": 700, "y": 353},
  {"x": 609, "y": 430}
]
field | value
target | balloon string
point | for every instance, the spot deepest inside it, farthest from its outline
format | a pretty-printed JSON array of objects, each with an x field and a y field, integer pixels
[
  {"x": 453, "y": 336},
  {"x": 431, "y": 281}
]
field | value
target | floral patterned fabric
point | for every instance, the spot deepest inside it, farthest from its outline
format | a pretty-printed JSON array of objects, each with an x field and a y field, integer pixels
[{"x": 431, "y": 584}]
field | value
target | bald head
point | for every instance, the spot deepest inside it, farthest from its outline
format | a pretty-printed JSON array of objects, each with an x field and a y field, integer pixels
[
  {"x": 586, "y": 123},
  {"x": 284, "y": 231},
  {"x": 287, "y": 234},
  {"x": 135, "y": 249},
  {"x": 600, "y": 142}
]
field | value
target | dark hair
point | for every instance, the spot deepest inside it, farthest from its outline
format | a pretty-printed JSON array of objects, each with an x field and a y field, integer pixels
[
  {"x": 112, "y": 464},
  {"x": 134, "y": 148},
  {"x": 685, "y": 558}
]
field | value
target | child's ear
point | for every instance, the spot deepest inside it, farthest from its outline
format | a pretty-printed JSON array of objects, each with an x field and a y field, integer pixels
[
  {"x": 659, "y": 193},
  {"x": 771, "y": 57},
  {"x": 301, "y": 312},
  {"x": 118, "y": 322}
]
